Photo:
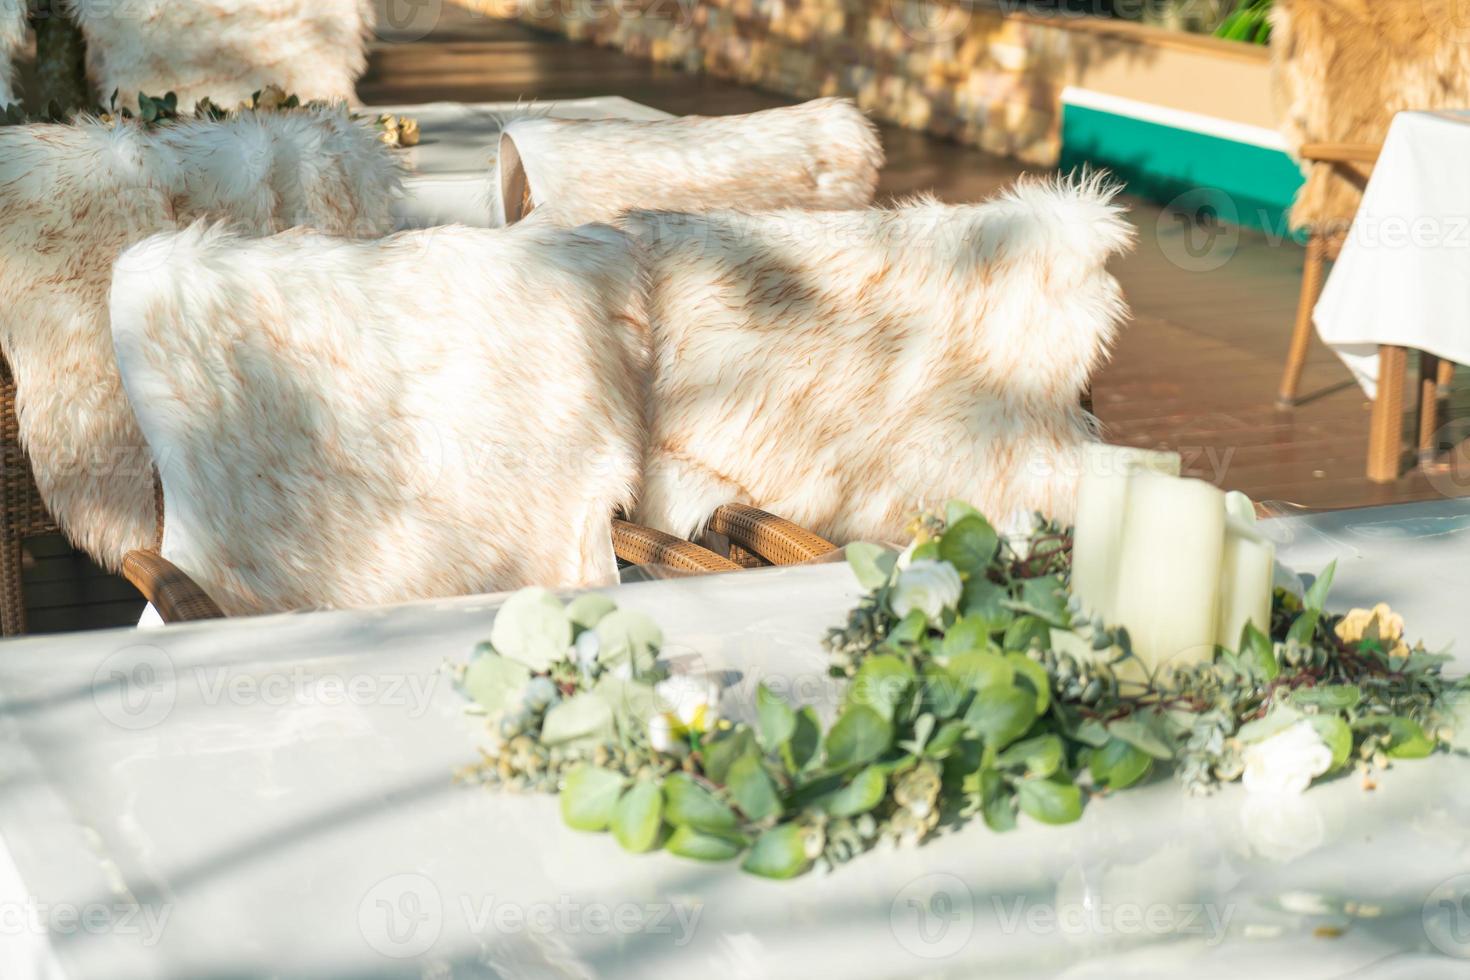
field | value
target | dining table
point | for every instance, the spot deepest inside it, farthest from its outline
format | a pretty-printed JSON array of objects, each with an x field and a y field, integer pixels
[
  {"x": 447, "y": 174},
  {"x": 285, "y": 796}
]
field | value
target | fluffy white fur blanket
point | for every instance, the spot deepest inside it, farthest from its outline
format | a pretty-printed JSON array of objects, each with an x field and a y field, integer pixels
[
  {"x": 12, "y": 39},
  {"x": 224, "y": 49},
  {"x": 72, "y": 198},
  {"x": 343, "y": 423},
  {"x": 843, "y": 368},
  {"x": 823, "y": 154}
]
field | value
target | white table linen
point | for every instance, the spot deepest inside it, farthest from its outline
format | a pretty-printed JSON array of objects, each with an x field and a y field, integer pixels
[
  {"x": 1404, "y": 274},
  {"x": 275, "y": 796},
  {"x": 450, "y": 169}
]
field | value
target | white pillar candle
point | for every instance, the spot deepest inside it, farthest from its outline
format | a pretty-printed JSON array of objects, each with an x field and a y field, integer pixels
[
  {"x": 1247, "y": 568},
  {"x": 1168, "y": 568},
  {"x": 1102, "y": 491}
]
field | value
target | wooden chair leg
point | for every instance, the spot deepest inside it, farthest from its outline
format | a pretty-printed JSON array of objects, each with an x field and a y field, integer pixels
[
  {"x": 12, "y": 599},
  {"x": 1386, "y": 430},
  {"x": 1430, "y": 415},
  {"x": 1301, "y": 334}
]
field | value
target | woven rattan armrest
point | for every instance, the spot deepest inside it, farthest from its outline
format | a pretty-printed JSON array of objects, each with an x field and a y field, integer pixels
[
  {"x": 773, "y": 539},
  {"x": 176, "y": 597},
  {"x": 640, "y": 545}
]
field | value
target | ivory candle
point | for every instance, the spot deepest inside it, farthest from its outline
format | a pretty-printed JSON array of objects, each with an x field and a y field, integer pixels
[
  {"x": 1247, "y": 569},
  {"x": 1168, "y": 571},
  {"x": 1097, "y": 536}
]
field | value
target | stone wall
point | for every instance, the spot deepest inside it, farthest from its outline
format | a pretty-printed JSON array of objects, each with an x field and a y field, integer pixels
[{"x": 971, "y": 73}]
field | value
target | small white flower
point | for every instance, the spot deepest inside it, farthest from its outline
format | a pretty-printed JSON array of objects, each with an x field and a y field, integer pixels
[
  {"x": 584, "y": 651},
  {"x": 623, "y": 671},
  {"x": 1287, "y": 762},
  {"x": 693, "y": 701},
  {"x": 932, "y": 586}
]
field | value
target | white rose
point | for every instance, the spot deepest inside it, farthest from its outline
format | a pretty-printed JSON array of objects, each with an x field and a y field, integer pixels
[
  {"x": 584, "y": 651},
  {"x": 661, "y": 733},
  {"x": 932, "y": 586},
  {"x": 1287, "y": 762}
]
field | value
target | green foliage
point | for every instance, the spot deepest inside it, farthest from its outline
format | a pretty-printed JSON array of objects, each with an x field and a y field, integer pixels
[
  {"x": 995, "y": 701},
  {"x": 1248, "y": 22}
]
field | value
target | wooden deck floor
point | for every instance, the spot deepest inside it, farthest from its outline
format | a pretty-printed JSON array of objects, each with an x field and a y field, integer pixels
[{"x": 1197, "y": 368}]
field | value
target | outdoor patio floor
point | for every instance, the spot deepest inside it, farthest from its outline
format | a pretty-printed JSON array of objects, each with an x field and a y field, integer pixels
[{"x": 1197, "y": 368}]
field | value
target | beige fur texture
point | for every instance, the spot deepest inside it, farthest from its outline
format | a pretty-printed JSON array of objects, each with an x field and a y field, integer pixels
[
  {"x": 843, "y": 369},
  {"x": 224, "y": 49},
  {"x": 72, "y": 198},
  {"x": 823, "y": 154},
  {"x": 344, "y": 423},
  {"x": 12, "y": 38},
  {"x": 1342, "y": 68}
]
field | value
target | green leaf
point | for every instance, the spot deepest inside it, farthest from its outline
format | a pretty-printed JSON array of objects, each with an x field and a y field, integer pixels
[
  {"x": 532, "y": 628},
  {"x": 723, "y": 752},
  {"x": 1304, "y": 627},
  {"x": 1000, "y": 714},
  {"x": 776, "y": 720},
  {"x": 1281, "y": 717},
  {"x": 1144, "y": 732},
  {"x": 1316, "y": 597},
  {"x": 589, "y": 796},
  {"x": 778, "y": 853},
  {"x": 1119, "y": 764},
  {"x": 945, "y": 739},
  {"x": 859, "y": 736},
  {"x": 1026, "y": 632},
  {"x": 1091, "y": 732},
  {"x": 859, "y": 796},
  {"x": 587, "y": 610},
  {"x": 957, "y": 510},
  {"x": 969, "y": 545},
  {"x": 969, "y": 634},
  {"x": 1257, "y": 653},
  {"x": 1040, "y": 756},
  {"x": 1034, "y": 674},
  {"x": 584, "y": 719},
  {"x": 686, "y": 841},
  {"x": 881, "y": 683},
  {"x": 997, "y": 801},
  {"x": 1046, "y": 599},
  {"x": 752, "y": 788},
  {"x": 985, "y": 600},
  {"x": 923, "y": 728},
  {"x": 943, "y": 691},
  {"x": 980, "y": 670},
  {"x": 637, "y": 817},
  {"x": 872, "y": 564},
  {"x": 494, "y": 682},
  {"x": 688, "y": 804},
  {"x": 800, "y": 751},
  {"x": 1329, "y": 697},
  {"x": 1336, "y": 735},
  {"x": 1050, "y": 801},
  {"x": 624, "y": 635},
  {"x": 1406, "y": 738},
  {"x": 910, "y": 629}
]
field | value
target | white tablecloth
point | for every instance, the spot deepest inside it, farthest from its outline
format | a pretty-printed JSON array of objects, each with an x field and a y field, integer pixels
[
  {"x": 275, "y": 796},
  {"x": 1404, "y": 274},
  {"x": 450, "y": 168}
]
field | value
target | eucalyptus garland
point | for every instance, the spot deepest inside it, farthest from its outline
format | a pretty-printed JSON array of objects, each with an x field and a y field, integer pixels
[{"x": 974, "y": 688}]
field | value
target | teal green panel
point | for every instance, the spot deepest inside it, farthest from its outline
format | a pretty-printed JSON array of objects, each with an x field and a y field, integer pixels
[{"x": 1161, "y": 163}]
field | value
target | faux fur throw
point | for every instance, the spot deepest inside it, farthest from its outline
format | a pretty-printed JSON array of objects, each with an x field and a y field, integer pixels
[
  {"x": 72, "y": 198},
  {"x": 340, "y": 423},
  {"x": 1342, "y": 68},
  {"x": 843, "y": 368},
  {"x": 12, "y": 39},
  {"x": 224, "y": 49},
  {"x": 822, "y": 154}
]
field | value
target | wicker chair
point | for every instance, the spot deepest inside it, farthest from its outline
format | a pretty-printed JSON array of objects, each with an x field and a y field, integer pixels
[{"x": 1341, "y": 71}]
